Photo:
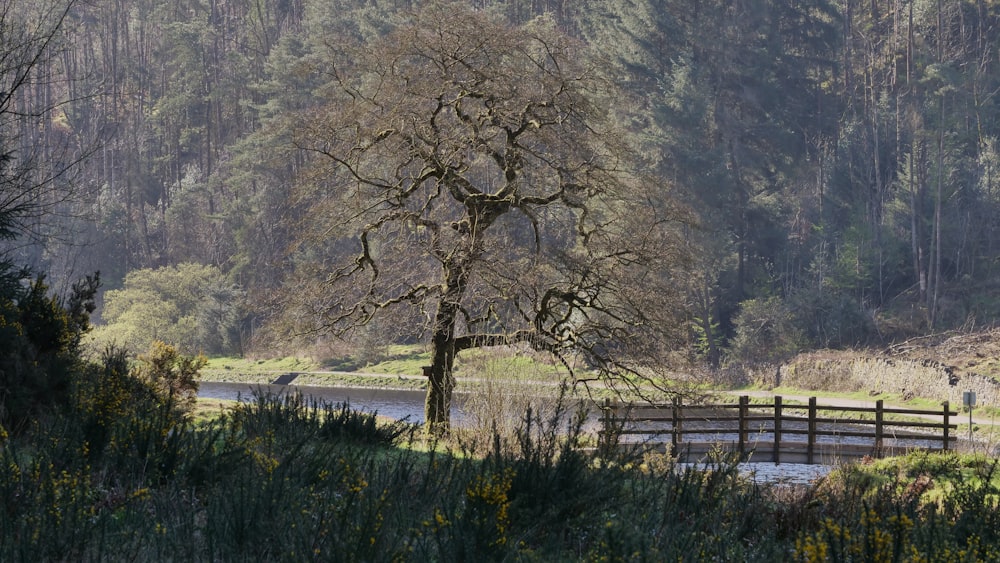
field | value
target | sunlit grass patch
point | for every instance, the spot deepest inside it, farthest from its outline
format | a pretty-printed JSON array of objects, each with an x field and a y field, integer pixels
[
  {"x": 371, "y": 381},
  {"x": 249, "y": 365},
  {"x": 206, "y": 410}
]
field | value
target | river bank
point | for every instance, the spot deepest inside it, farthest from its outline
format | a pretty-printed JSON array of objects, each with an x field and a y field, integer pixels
[
  {"x": 407, "y": 405},
  {"x": 404, "y": 382}
]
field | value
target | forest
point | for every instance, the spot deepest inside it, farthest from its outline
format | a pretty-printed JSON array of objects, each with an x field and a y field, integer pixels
[
  {"x": 618, "y": 185},
  {"x": 836, "y": 162}
]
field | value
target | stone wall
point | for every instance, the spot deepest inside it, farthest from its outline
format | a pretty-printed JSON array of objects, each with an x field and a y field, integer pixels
[{"x": 875, "y": 375}]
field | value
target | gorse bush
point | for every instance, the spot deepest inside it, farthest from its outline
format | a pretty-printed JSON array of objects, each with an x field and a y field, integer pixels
[
  {"x": 938, "y": 507},
  {"x": 39, "y": 344},
  {"x": 171, "y": 374},
  {"x": 293, "y": 414}
]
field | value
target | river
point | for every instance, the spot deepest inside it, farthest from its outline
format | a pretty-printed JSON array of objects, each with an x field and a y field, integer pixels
[
  {"x": 392, "y": 403},
  {"x": 409, "y": 406}
]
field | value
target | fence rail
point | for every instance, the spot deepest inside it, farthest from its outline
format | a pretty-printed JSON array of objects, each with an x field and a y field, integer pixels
[{"x": 767, "y": 429}]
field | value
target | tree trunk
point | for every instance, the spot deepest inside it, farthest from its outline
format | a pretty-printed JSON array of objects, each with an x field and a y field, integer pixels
[
  {"x": 916, "y": 237},
  {"x": 935, "y": 267},
  {"x": 440, "y": 374}
]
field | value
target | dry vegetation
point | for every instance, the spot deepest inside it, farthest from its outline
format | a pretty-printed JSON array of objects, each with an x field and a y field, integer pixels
[
  {"x": 963, "y": 353},
  {"x": 939, "y": 367}
]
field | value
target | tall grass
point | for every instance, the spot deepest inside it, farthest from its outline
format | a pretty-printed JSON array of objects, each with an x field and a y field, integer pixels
[{"x": 279, "y": 478}]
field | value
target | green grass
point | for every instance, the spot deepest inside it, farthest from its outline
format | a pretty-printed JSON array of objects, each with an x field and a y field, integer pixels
[
  {"x": 360, "y": 380},
  {"x": 409, "y": 365},
  {"x": 244, "y": 370},
  {"x": 289, "y": 363},
  {"x": 399, "y": 360}
]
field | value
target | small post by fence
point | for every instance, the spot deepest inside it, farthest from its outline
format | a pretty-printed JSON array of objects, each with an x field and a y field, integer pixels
[
  {"x": 744, "y": 402},
  {"x": 879, "y": 427},
  {"x": 811, "y": 434},
  {"x": 947, "y": 414},
  {"x": 777, "y": 429},
  {"x": 969, "y": 400}
]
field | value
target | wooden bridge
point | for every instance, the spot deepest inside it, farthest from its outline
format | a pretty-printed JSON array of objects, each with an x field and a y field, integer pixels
[{"x": 777, "y": 432}]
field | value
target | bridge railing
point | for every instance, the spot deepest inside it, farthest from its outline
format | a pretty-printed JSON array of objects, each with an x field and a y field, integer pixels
[{"x": 778, "y": 431}]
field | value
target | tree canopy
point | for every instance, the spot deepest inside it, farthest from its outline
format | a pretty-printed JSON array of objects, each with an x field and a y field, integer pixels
[
  {"x": 476, "y": 168},
  {"x": 188, "y": 305}
]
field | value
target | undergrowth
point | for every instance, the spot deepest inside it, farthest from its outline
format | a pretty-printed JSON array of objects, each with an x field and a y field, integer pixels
[{"x": 124, "y": 476}]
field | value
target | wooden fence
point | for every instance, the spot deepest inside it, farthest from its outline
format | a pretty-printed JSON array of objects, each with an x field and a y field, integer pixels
[{"x": 777, "y": 432}]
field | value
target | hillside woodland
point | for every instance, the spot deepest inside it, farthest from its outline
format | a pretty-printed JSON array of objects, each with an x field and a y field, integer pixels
[
  {"x": 832, "y": 166},
  {"x": 609, "y": 183}
]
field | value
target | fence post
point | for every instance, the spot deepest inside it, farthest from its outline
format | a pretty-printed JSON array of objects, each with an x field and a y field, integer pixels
[
  {"x": 675, "y": 427},
  {"x": 947, "y": 416},
  {"x": 811, "y": 433},
  {"x": 878, "y": 427},
  {"x": 777, "y": 429},
  {"x": 744, "y": 401}
]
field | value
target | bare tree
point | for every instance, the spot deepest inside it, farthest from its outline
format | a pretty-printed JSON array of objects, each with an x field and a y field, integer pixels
[
  {"x": 479, "y": 171},
  {"x": 40, "y": 154},
  {"x": 33, "y": 161}
]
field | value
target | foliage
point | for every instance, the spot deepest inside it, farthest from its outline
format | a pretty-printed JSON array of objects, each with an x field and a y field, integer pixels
[
  {"x": 840, "y": 159},
  {"x": 39, "y": 341},
  {"x": 279, "y": 477},
  {"x": 924, "y": 507},
  {"x": 830, "y": 319},
  {"x": 766, "y": 333},
  {"x": 35, "y": 164},
  {"x": 123, "y": 420},
  {"x": 846, "y": 151},
  {"x": 173, "y": 376},
  {"x": 189, "y": 306},
  {"x": 842, "y": 152},
  {"x": 39, "y": 333}
]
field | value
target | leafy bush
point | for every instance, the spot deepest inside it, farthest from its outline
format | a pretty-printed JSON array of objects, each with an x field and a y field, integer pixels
[
  {"x": 188, "y": 306},
  {"x": 172, "y": 375},
  {"x": 765, "y": 333}
]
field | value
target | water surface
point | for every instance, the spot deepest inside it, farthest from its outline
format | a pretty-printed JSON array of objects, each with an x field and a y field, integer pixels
[{"x": 399, "y": 404}]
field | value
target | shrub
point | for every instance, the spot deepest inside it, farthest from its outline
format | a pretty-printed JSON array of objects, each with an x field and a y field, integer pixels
[
  {"x": 765, "y": 333},
  {"x": 188, "y": 306},
  {"x": 171, "y": 374},
  {"x": 880, "y": 514},
  {"x": 39, "y": 340}
]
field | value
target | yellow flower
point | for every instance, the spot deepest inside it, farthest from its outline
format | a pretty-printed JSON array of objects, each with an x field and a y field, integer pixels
[{"x": 440, "y": 518}]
